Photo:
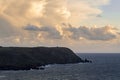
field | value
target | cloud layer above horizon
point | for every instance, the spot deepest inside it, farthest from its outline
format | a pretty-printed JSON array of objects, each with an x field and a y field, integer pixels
[{"x": 53, "y": 23}]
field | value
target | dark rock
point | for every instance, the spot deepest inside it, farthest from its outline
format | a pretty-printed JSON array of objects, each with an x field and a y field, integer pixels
[
  {"x": 87, "y": 61},
  {"x": 24, "y": 58},
  {"x": 42, "y": 67}
]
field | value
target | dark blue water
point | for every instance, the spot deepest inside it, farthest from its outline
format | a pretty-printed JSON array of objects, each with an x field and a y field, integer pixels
[{"x": 104, "y": 67}]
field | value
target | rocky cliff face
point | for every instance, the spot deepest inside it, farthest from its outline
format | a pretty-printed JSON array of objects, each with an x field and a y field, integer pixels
[{"x": 16, "y": 58}]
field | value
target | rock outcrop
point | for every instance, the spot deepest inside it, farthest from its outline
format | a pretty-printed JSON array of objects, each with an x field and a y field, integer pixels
[{"x": 24, "y": 58}]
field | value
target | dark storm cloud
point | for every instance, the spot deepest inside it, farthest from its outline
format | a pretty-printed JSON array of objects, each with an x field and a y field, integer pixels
[{"x": 46, "y": 31}]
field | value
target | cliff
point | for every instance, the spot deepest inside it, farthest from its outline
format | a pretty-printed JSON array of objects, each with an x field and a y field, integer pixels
[{"x": 24, "y": 58}]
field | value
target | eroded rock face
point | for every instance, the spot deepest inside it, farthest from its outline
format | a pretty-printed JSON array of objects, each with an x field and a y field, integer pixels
[{"x": 24, "y": 58}]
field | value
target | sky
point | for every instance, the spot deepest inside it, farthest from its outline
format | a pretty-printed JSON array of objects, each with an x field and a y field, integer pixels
[{"x": 85, "y": 26}]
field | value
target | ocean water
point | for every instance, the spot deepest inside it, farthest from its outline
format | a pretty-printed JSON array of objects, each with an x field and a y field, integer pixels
[{"x": 104, "y": 67}]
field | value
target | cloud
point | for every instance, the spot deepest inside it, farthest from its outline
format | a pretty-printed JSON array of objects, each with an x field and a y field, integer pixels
[
  {"x": 6, "y": 29},
  {"x": 49, "y": 12},
  {"x": 99, "y": 16},
  {"x": 90, "y": 33},
  {"x": 15, "y": 15},
  {"x": 94, "y": 33},
  {"x": 31, "y": 28},
  {"x": 83, "y": 10},
  {"x": 49, "y": 23},
  {"x": 35, "y": 12},
  {"x": 22, "y": 12},
  {"x": 44, "y": 31}
]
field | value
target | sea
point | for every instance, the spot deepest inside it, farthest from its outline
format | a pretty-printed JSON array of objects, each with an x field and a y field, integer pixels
[{"x": 104, "y": 66}]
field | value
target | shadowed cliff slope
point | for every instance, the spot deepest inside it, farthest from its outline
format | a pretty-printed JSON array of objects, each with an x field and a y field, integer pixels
[{"x": 24, "y": 58}]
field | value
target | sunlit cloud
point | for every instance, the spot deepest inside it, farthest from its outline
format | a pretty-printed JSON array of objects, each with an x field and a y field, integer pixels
[
  {"x": 37, "y": 9},
  {"x": 82, "y": 32},
  {"x": 82, "y": 10},
  {"x": 94, "y": 33},
  {"x": 54, "y": 23},
  {"x": 50, "y": 12}
]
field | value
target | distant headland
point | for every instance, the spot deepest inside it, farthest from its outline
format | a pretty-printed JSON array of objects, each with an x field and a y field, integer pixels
[{"x": 26, "y": 58}]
